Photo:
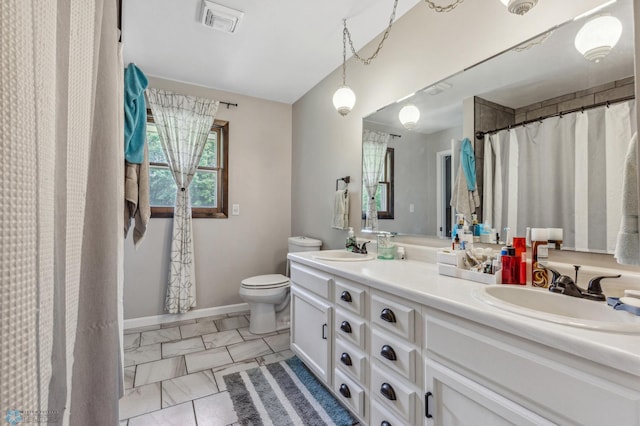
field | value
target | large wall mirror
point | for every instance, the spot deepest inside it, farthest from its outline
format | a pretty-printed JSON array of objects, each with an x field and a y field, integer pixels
[{"x": 548, "y": 85}]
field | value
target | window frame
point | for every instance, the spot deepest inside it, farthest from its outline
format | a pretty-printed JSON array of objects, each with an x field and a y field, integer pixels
[
  {"x": 388, "y": 183},
  {"x": 221, "y": 127}
]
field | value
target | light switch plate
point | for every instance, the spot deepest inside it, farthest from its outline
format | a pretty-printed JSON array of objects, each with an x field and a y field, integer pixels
[{"x": 235, "y": 209}]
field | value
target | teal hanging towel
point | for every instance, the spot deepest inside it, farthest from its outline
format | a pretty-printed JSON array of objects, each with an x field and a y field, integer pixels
[
  {"x": 468, "y": 160},
  {"x": 135, "y": 114}
]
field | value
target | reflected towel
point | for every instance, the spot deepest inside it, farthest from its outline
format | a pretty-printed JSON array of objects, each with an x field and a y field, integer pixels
[
  {"x": 468, "y": 162},
  {"x": 341, "y": 209},
  {"x": 463, "y": 199},
  {"x": 136, "y": 197},
  {"x": 628, "y": 243}
]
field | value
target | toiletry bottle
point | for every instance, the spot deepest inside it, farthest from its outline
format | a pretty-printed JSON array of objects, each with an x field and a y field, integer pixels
[
  {"x": 475, "y": 228},
  {"x": 459, "y": 224},
  {"x": 351, "y": 239},
  {"x": 539, "y": 257},
  {"x": 456, "y": 243},
  {"x": 507, "y": 266}
]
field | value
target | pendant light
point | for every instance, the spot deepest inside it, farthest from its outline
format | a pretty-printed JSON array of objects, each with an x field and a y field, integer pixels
[
  {"x": 598, "y": 36},
  {"x": 519, "y": 7},
  {"x": 409, "y": 116},
  {"x": 344, "y": 99}
]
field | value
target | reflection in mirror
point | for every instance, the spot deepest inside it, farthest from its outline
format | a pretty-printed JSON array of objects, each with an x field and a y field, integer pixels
[{"x": 541, "y": 80}]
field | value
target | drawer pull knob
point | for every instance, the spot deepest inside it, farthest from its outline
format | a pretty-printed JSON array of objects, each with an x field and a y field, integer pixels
[
  {"x": 385, "y": 423},
  {"x": 345, "y": 359},
  {"x": 344, "y": 390},
  {"x": 324, "y": 331},
  {"x": 387, "y": 391},
  {"x": 388, "y": 352},
  {"x": 346, "y": 296},
  {"x": 388, "y": 315},
  {"x": 345, "y": 326}
]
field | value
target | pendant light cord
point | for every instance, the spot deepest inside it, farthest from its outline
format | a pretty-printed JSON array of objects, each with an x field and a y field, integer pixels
[{"x": 347, "y": 35}]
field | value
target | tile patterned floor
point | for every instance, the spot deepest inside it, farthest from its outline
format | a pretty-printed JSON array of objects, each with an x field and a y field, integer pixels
[{"x": 173, "y": 372}]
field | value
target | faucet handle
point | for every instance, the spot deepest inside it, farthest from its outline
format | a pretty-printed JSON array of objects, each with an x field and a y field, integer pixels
[
  {"x": 554, "y": 273},
  {"x": 594, "y": 283},
  {"x": 363, "y": 247}
]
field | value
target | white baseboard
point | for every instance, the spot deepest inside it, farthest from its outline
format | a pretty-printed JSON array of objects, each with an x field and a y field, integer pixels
[{"x": 197, "y": 313}]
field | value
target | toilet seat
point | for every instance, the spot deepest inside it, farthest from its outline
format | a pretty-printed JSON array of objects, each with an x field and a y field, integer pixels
[{"x": 265, "y": 281}]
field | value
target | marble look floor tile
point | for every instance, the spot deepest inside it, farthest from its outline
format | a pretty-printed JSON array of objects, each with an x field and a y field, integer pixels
[
  {"x": 178, "y": 415},
  {"x": 160, "y": 370},
  {"x": 131, "y": 341},
  {"x": 220, "y": 372},
  {"x": 198, "y": 329},
  {"x": 160, "y": 336},
  {"x": 215, "y": 410},
  {"x": 231, "y": 323},
  {"x": 279, "y": 342},
  {"x": 211, "y": 318},
  {"x": 248, "y": 350},
  {"x": 210, "y": 358},
  {"x": 222, "y": 338},
  {"x": 129, "y": 375},
  {"x": 142, "y": 354},
  {"x": 239, "y": 313},
  {"x": 186, "y": 388},
  {"x": 177, "y": 323},
  {"x": 140, "y": 400},
  {"x": 182, "y": 347},
  {"x": 247, "y": 335},
  {"x": 277, "y": 357},
  {"x": 139, "y": 329}
]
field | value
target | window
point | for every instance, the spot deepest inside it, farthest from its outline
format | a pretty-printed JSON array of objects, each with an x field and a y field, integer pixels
[
  {"x": 384, "y": 193},
  {"x": 208, "y": 189}
]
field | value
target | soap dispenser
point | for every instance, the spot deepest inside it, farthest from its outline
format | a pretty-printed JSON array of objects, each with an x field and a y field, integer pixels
[{"x": 351, "y": 240}]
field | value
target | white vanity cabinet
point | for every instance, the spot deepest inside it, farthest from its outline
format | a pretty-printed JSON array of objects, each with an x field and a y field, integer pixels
[{"x": 311, "y": 319}]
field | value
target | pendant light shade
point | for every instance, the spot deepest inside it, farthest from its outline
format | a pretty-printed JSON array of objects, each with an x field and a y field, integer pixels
[
  {"x": 597, "y": 37},
  {"x": 519, "y": 7},
  {"x": 409, "y": 116},
  {"x": 344, "y": 99}
]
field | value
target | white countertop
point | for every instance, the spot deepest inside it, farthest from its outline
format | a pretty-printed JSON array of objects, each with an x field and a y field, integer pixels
[{"x": 420, "y": 282}]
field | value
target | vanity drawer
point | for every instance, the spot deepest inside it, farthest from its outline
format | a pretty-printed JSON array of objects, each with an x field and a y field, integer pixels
[
  {"x": 393, "y": 316},
  {"x": 311, "y": 279},
  {"x": 380, "y": 416},
  {"x": 351, "y": 360},
  {"x": 394, "y": 353},
  {"x": 351, "y": 328},
  {"x": 394, "y": 392},
  {"x": 350, "y": 296},
  {"x": 349, "y": 392}
]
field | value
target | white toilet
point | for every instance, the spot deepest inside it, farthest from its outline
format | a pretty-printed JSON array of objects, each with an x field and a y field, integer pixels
[{"x": 268, "y": 295}]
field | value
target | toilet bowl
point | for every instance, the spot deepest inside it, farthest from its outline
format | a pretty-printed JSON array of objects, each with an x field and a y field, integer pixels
[{"x": 268, "y": 295}]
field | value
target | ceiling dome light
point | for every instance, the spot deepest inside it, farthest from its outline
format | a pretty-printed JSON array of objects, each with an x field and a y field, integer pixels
[
  {"x": 598, "y": 36},
  {"x": 519, "y": 7},
  {"x": 344, "y": 99},
  {"x": 409, "y": 116}
]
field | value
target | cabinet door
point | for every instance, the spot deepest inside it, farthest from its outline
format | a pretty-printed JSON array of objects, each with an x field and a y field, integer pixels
[
  {"x": 453, "y": 399},
  {"x": 311, "y": 332}
]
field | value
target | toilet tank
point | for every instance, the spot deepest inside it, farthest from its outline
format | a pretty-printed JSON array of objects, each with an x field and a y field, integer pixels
[{"x": 304, "y": 244}]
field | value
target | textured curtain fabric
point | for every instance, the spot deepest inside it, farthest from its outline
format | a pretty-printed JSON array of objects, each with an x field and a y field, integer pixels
[
  {"x": 59, "y": 188},
  {"x": 183, "y": 124},
  {"x": 374, "y": 150},
  {"x": 564, "y": 172}
]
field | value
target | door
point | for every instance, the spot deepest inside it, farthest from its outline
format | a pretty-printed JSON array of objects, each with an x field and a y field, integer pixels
[
  {"x": 453, "y": 399},
  {"x": 311, "y": 332}
]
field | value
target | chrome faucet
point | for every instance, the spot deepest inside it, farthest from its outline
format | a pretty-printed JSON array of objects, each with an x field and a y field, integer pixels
[
  {"x": 362, "y": 249},
  {"x": 566, "y": 285}
]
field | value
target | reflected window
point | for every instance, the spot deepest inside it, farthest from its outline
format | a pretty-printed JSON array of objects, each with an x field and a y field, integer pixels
[{"x": 384, "y": 193}]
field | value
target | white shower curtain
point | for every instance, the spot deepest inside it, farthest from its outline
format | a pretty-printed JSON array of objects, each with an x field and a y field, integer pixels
[
  {"x": 62, "y": 199},
  {"x": 564, "y": 172},
  {"x": 374, "y": 150},
  {"x": 183, "y": 124}
]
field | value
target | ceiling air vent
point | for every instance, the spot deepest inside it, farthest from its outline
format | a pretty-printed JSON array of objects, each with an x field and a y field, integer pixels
[{"x": 220, "y": 17}]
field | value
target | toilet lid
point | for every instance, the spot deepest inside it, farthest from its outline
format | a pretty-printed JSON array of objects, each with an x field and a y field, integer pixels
[{"x": 266, "y": 281}]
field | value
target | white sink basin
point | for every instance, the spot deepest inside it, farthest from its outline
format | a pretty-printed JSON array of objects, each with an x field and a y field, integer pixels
[
  {"x": 343, "y": 256},
  {"x": 558, "y": 308}
]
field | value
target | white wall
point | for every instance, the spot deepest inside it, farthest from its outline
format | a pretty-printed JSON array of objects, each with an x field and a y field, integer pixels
[
  {"x": 424, "y": 47},
  {"x": 226, "y": 250}
]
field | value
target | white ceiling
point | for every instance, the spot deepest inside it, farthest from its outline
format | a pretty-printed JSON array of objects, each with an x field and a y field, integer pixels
[{"x": 281, "y": 49}]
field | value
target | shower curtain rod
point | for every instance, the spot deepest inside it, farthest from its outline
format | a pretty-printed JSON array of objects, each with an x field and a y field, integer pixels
[{"x": 480, "y": 134}]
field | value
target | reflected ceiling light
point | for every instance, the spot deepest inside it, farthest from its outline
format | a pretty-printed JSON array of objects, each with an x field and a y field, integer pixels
[
  {"x": 598, "y": 36},
  {"x": 519, "y": 7},
  {"x": 409, "y": 116}
]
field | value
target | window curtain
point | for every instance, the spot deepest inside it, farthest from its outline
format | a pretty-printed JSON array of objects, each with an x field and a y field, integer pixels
[
  {"x": 374, "y": 149},
  {"x": 183, "y": 124},
  {"x": 62, "y": 197},
  {"x": 564, "y": 172}
]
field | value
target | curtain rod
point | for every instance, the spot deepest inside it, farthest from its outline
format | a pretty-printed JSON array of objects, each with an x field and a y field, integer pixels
[
  {"x": 480, "y": 134},
  {"x": 229, "y": 104}
]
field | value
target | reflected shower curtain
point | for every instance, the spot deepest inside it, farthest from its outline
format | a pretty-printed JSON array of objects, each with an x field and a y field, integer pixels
[
  {"x": 374, "y": 149},
  {"x": 551, "y": 174},
  {"x": 183, "y": 124}
]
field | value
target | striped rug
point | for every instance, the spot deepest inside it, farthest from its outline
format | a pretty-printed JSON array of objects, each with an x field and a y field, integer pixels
[{"x": 284, "y": 393}]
